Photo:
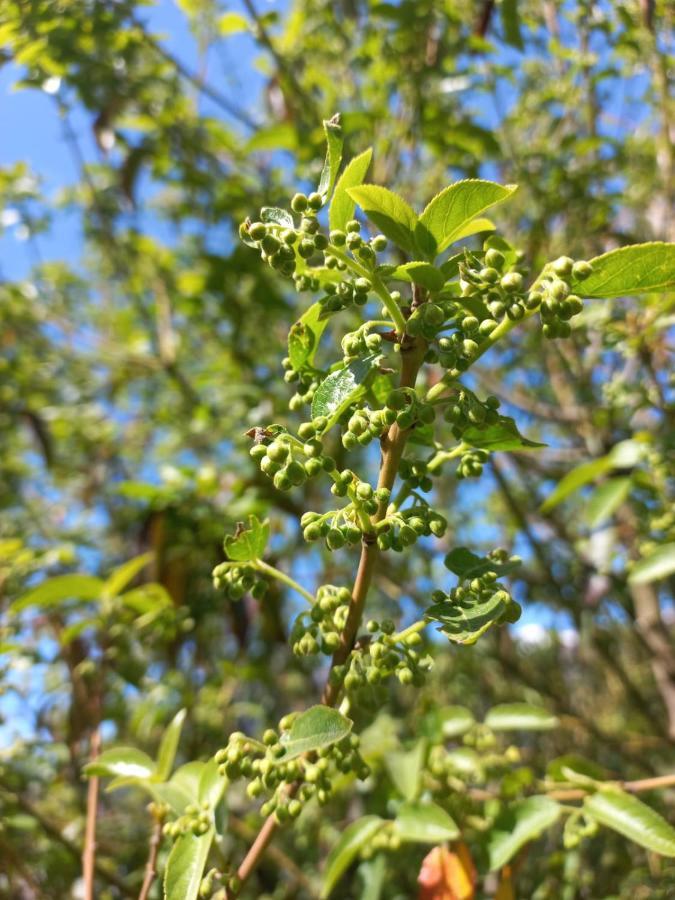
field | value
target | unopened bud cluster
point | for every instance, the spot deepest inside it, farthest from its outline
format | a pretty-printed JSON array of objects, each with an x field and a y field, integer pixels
[
  {"x": 236, "y": 581},
  {"x": 288, "y": 461},
  {"x": 287, "y": 785}
]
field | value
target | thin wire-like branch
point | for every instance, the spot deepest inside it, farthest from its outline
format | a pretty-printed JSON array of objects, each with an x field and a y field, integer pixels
[
  {"x": 89, "y": 849},
  {"x": 153, "y": 852}
]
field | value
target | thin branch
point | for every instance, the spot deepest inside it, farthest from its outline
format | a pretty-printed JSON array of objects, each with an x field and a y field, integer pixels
[
  {"x": 153, "y": 852},
  {"x": 89, "y": 849}
]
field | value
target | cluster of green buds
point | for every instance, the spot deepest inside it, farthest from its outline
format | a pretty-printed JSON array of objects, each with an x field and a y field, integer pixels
[
  {"x": 471, "y": 463},
  {"x": 430, "y": 317},
  {"x": 344, "y": 526},
  {"x": 466, "y": 410},
  {"x": 365, "y": 424},
  {"x": 453, "y": 768},
  {"x": 361, "y": 343},
  {"x": 290, "y": 461},
  {"x": 287, "y": 784},
  {"x": 557, "y": 305},
  {"x": 218, "y": 884},
  {"x": 318, "y": 630},
  {"x": 236, "y": 581},
  {"x": 414, "y": 474},
  {"x": 305, "y": 383},
  {"x": 403, "y": 528},
  {"x": 478, "y": 590},
  {"x": 377, "y": 657},
  {"x": 196, "y": 819},
  {"x": 410, "y": 409}
]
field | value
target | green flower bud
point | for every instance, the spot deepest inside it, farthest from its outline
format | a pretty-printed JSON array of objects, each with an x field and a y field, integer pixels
[
  {"x": 563, "y": 266},
  {"x": 494, "y": 259},
  {"x": 512, "y": 282},
  {"x": 581, "y": 270},
  {"x": 299, "y": 203},
  {"x": 338, "y": 238},
  {"x": 315, "y": 201},
  {"x": 257, "y": 231}
]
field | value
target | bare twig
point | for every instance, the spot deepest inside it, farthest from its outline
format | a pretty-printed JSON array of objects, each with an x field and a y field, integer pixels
[
  {"x": 89, "y": 849},
  {"x": 153, "y": 851}
]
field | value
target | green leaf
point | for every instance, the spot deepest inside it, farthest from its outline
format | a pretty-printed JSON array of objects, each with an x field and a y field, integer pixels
[
  {"x": 352, "y": 839},
  {"x": 633, "y": 819},
  {"x": 333, "y": 131},
  {"x": 187, "y": 779},
  {"x": 511, "y": 23},
  {"x": 122, "y": 575},
  {"x": 276, "y": 216},
  {"x": 466, "y": 564},
  {"x": 185, "y": 866},
  {"x": 501, "y": 435},
  {"x": 419, "y": 272},
  {"x": 465, "y": 624},
  {"x": 638, "y": 269},
  {"x": 342, "y": 206},
  {"x": 248, "y": 543},
  {"x": 122, "y": 762},
  {"x": 557, "y": 767},
  {"x": 168, "y": 745},
  {"x": 471, "y": 228},
  {"x": 575, "y": 479},
  {"x": 304, "y": 337},
  {"x": 449, "y": 722},
  {"x": 232, "y": 23},
  {"x": 373, "y": 873},
  {"x": 520, "y": 717},
  {"x": 659, "y": 564},
  {"x": 147, "y": 598},
  {"x": 425, "y": 823},
  {"x": 451, "y": 211},
  {"x": 405, "y": 769},
  {"x": 392, "y": 215},
  {"x": 211, "y": 784},
  {"x": 518, "y": 825},
  {"x": 605, "y": 500},
  {"x": 319, "y": 726},
  {"x": 55, "y": 590},
  {"x": 339, "y": 389}
]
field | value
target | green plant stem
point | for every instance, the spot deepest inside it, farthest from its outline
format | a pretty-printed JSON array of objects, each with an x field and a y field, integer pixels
[
  {"x": 415, "y": 628},
  {"x": 262, "y": 566},
  {"x": 393, "y": 445},
  {"x": 379, "y": 287},
  {"x": 444, "y": 455}
]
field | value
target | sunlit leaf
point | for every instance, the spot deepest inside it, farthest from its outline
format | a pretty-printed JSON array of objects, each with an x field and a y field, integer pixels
[
  {"x": 657, "y": 565},
  {"x": 633, "y": 819},
  {"x": 392, "y": 215},
  {"x": 248, "y": 542},
  {"x": 424, "y": 823},
  {"x": 638, "y": 269},
  {"x": 333, "y": 132},
  {"x": 317, "y": 727},
  {"x": 517, "y": 825},
  {"x": 169, "y": 744},
  {"x": 342, "y": 206},
  {"x": 341, "y": 388},
  {"x": 122, "y": 762},
  {"x": 185, "y": 866},
  {"x": 520, "y": 717},
  {"x": 56, "y": 590},
  {"x": 351, "y": 841}
]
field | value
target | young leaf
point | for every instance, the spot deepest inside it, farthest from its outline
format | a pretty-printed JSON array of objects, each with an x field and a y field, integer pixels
[
  {"x": 342, "y": 206},
  {"x": 638, "y": 269},
  {"x": 557, "y": 767},
  {"x": 211, "y": 784},
  {"x": 248, "y": 543},
  {"x": 449, "y": 213},
  {"x": 511, "y": 23},
  {"x": 576, "y": 478},
  {"x": 339, "y": 389},
  {"x": 633, "y": 819},
  {"x": 659, "y": 564},
  {"x": 419, "y": 272},
  {"x": 148, "y": 598},
  {"x": 425, "y": 823},
  {"x": 232, "y": 23},
  {"x": 121, "y": 762},
  {"x": 501, "y": 435},
  {"x": 304, "y": 337},
  {"x": 319, "y": 726},
  {"x": 519, "y": 717},
  {"x": 55, "y": 590},
  {"x": 517, "y": 825},
  {"x": 392, "y": 215},
  {"x": 475, "y": 227},
  {"x": 405, "y": 769},
  {"x": 466, "y": 564},
  {"x": 276, "y": 216},
  {"x": 465, "y": 624},
  {"x": 447, "y": 875},
  {"x": 333, "y": 132},
  {"x": 185, "y": 866},
  {"x": 344, "y": 852},
  {"x": 122, "y": 575},
  {"x": 168, "y": 745},
  {"x": 605, "y": 500},
  {"x": 449, "y": 722},
  {"x": 187, "y": 779}
]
